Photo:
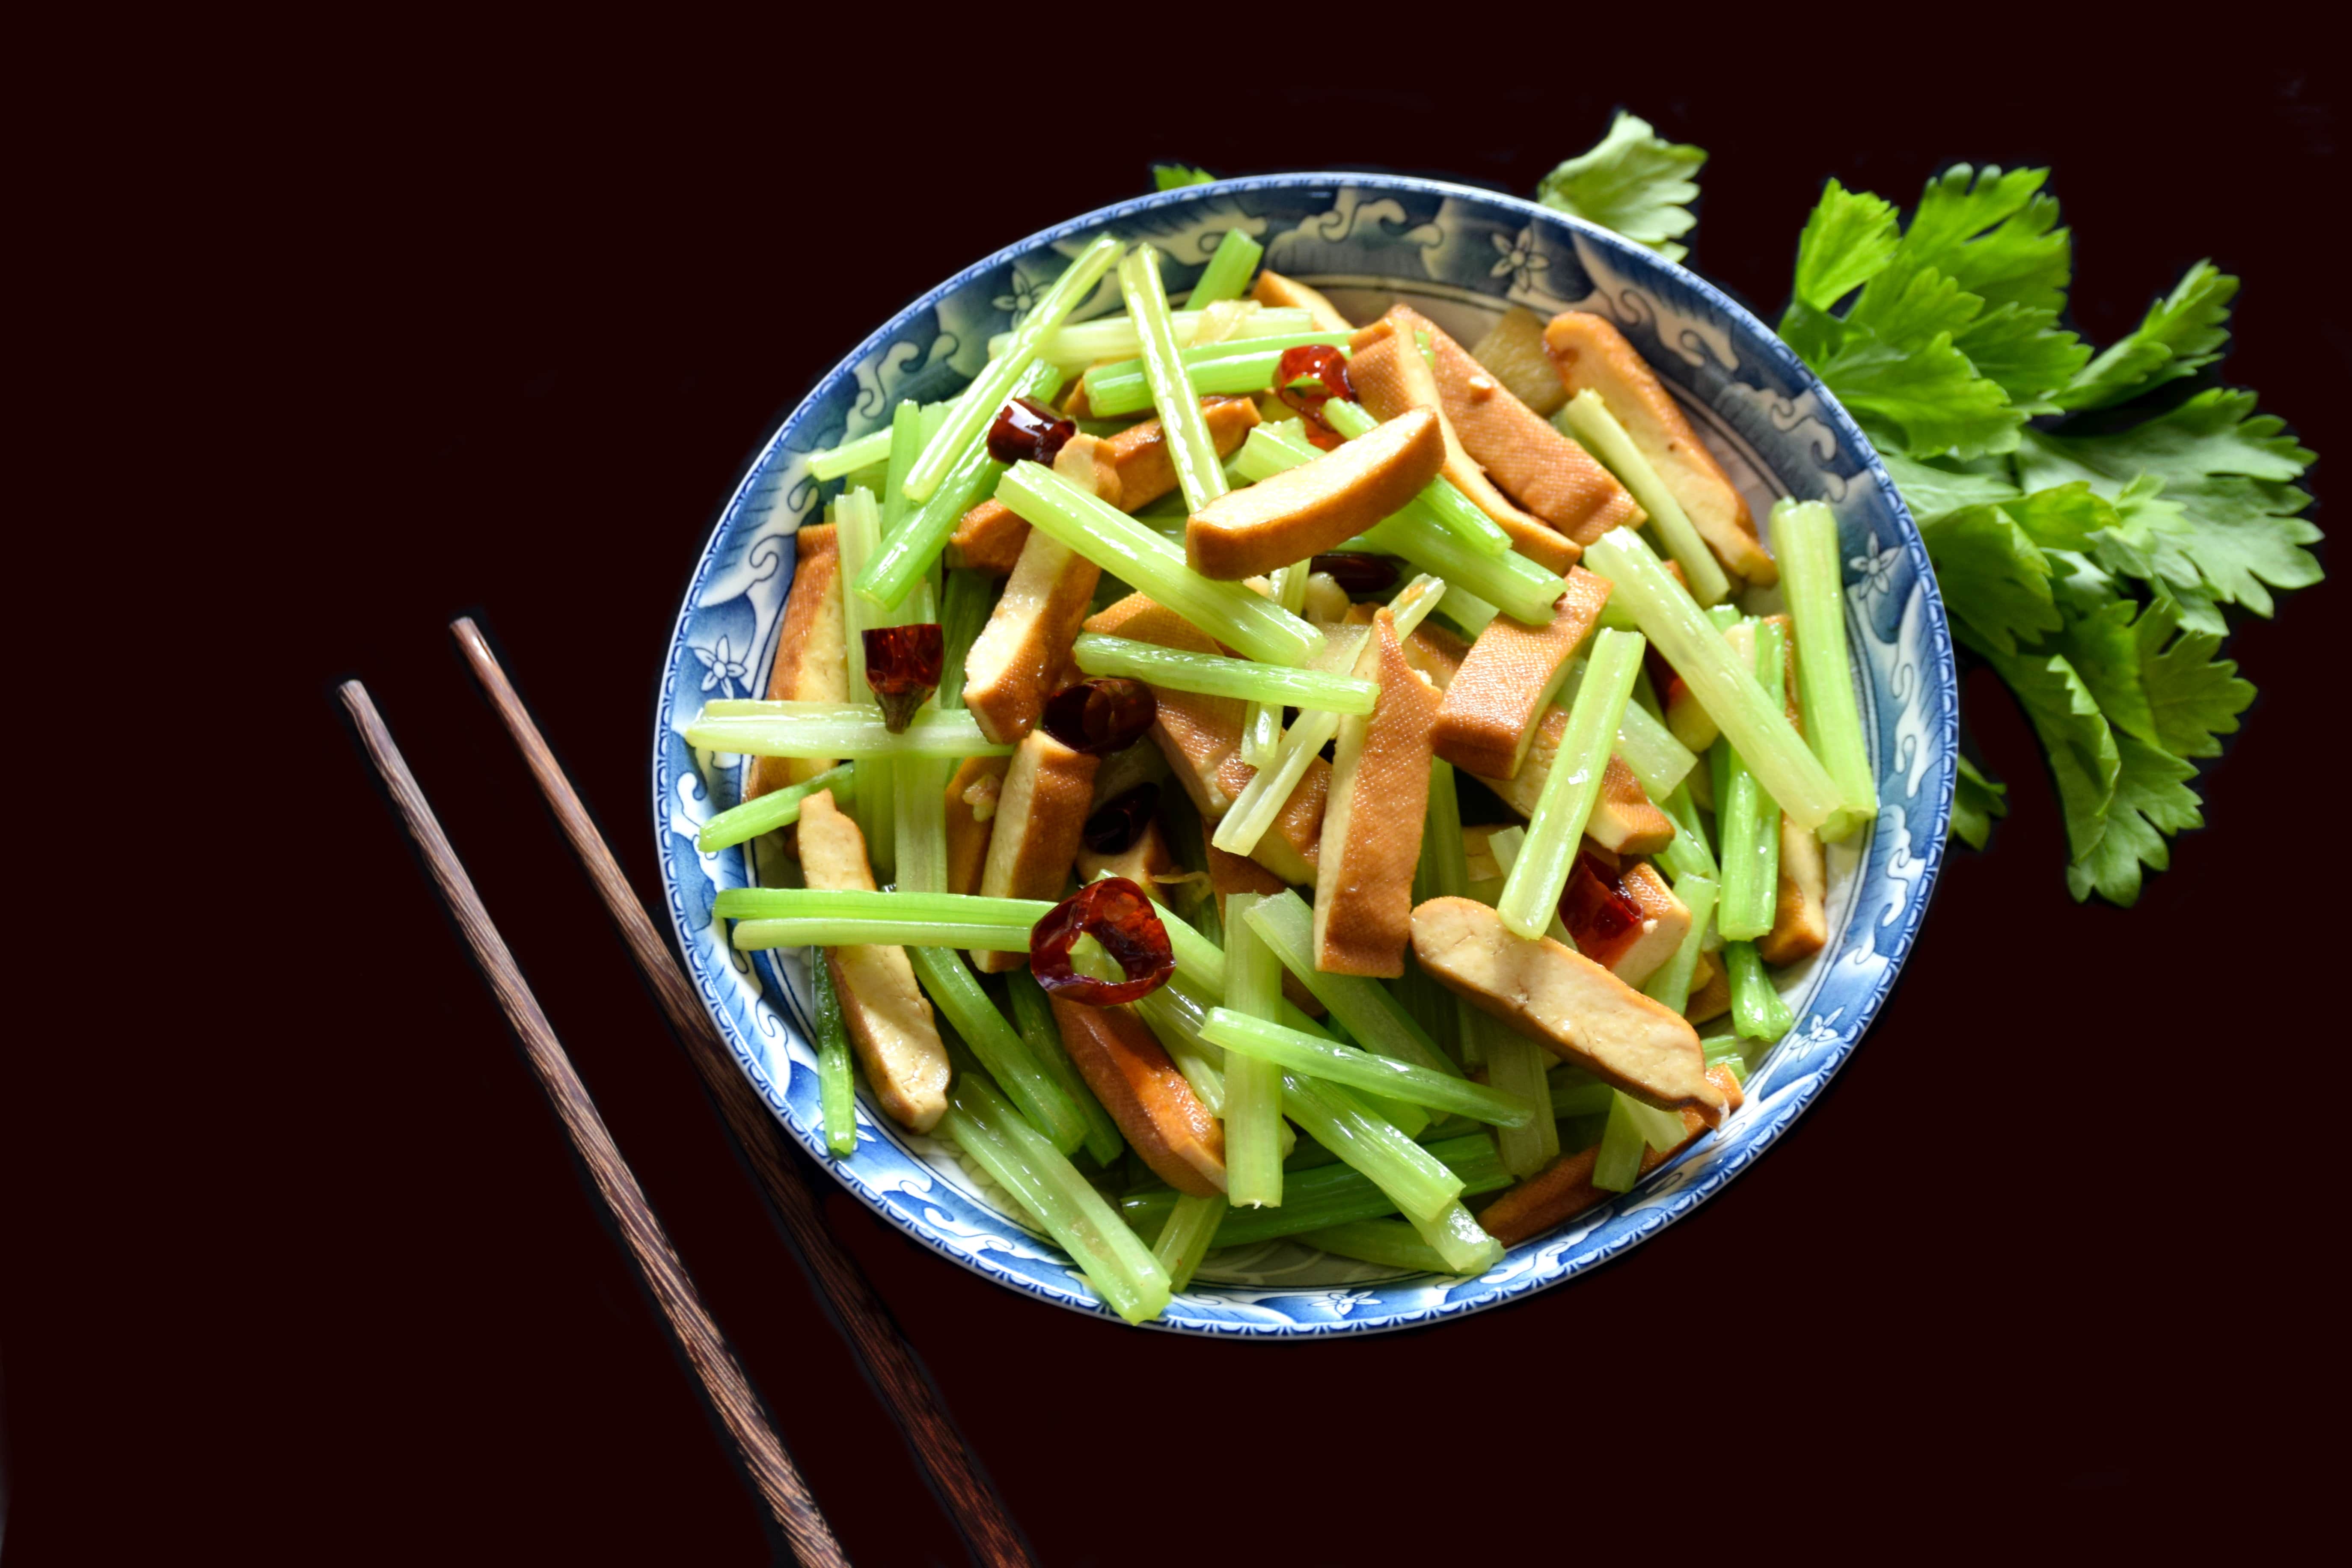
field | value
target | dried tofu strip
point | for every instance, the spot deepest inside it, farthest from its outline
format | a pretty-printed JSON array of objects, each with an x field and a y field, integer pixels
[
  {"x": 1496, "y": 698},
  {"x": 1272, "y": 289},
  {"x": 1634, "y": 955},
  {"x": 1017, "y": 660},
  {"x": 1564, "y": 1188},
  {"x": 811, "y": 663},
  {"x": 1372, "y": 828},
  {"x": 1040, "y": 823},
  {"x": 1133, "y": 1076},
  {"x": 1303, "y": 512},
  {"x": 971, "y": 798}
]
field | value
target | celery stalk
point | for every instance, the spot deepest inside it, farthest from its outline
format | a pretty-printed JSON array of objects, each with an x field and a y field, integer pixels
[
  {"x": 1587, "y": 418},
  {"x": 963, "y": 610},
  {"x": 1083, "y": 343},
  {"x": 1686, "y": 854},
  {"x": 1757, "y": 1010},
  {"x": 1033, "y": 1015},
  {"x": 1377, "y": 1020},
  {"x": 1644, "y": 744},
  {"x": 1669, "y": 984},
  {"x": 1325, "y": 1194},
  {"x": 835, "y": 730},
  {"x": 1175, "y": 1019},
  {"x": 858, "y": 530},
  {"x": 1124, "y": 387},
  {"x": 1268, "y": 791},
  {"x": 1578, "y": 1094},
  {"x": 869, "y": 449},
  {"x": 1115, "y": 1261},
  {"x": 1618, "y": 1163},
  {"x": 911, "y": 545},
  {"x": 967, "y": 422},
  {"x": 1290, "y": 586},
  {"x": 1448, "y": 506},
  {"x": 905, "y": 446},
  {"x": 1005, "y": 1055},
  {"x": 1746, "y": 813},
  {"x": 1805, "y": 537},
  {"x": 1185, "y": 1239},
  {"x": 1753, "y": 723},
  {"x": 1340, "y": 1122},
  {"x": 1261, "y": 733},
  {"x": 1556, "y": 829},
  {"x": 1199, "y": 474},
  {"x": 1517, "y": 1066},
  {"x": 1216, "y": 676},
  {"x": 1390, "y": 1243},
  {"x": 1227, "y": 276},
  {"x": 1133, "y": 553},
  {"x": 1461, "y": 1244},
  {"x": 777, "y": 808},
  {"x": 836, "y": 1093},
  {"x": 1331, "y": 1062},
  {"x": 921, "y": 821},
  {"x": 1252, "y": 1084},
  {"x": 1000, "y": 924}
]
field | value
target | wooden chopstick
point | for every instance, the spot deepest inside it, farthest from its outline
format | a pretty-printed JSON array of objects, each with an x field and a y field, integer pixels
[
  {"x": 762, "y": 1453},
  {"x": 972, "y": 1500}
]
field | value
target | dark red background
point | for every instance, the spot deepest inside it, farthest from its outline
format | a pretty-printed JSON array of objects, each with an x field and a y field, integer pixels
[{"x": 305, "y": 1266}]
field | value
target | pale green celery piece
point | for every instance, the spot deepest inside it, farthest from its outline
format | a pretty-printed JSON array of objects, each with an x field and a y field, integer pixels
[
  {"x": 1723, "y": 617},
  {"x": 1414, "y": 600},
  {"x": 1441, "y": 871},
  {"x": 1263, "y": 798},
  {"x": 1327, "y": 1061},
  {"x": 1719, "y": 1049},
  {"x": 1746, "y": 813},
  {"x": 1617, "y": 1164},
  {"x": 904, "y": 916},
  {"x": 1661, "y": 1130},
  {"x": 1556, "y": 829},
  {"x": 1669, "y": 984},
  {"x": 1516, "y": 1066},
  {"x": 1588, "y": 419},
  {"x": 910, "y": 548},
  {"x": 1188, "y": 1235},
  {"x": 1327, "y": 1194},
  {"x": 905, "y": 446},
  {"x": 1134, "y": 553},
  {"x": 1805, "y": 539},
  {"x": 920, "y": 820},
  {"x": 1005, "y": 1055},
  {"x": 1261, "y": 733},
  {"x": 1686, "y": 854},
  {"x": 1199, "y": 473},
  {"x": 967, "y": 422},
  {"x": 1390, "y": 1243},
  {"x": 836, "y": 1092},
  {"x": 1216, "y": 676},
  {"x": 1124, "y": 387},
  {"x": 1227, "y": 276},
  {"x": 1083, "y": 343},
  {"x": 1344, "y": 1123},
  {"x": 1020, "y": 1160},
  {"x": 1374, "y": 1018},
  {"x": 1646, "y": 696},
  {"x": 871, "y": 450},
  {"x": 858, "y": 534},
  {"x": 1643, "y": 742},
  {"x": 1290, "y": 586},
  {"x": 1580, "y": 1097},
  {"x": 1726, "y": 687},
  {"x": 1033, "y": 1015},
  {"x": 963, "y": 612},
  {"x": 1460, "y": 1243},
  {"x": 1757, "y": 1010},
  {"x": 1448, "y": 506},
  {"x": 852, "y": 730},
  {"x": 777, "y": 808},
  {"x": 1252, "y": 1084}
]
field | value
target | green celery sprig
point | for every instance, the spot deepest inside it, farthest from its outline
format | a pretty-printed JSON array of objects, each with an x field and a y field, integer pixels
[
  {"x": 1083, "y": 343},
  {"x": 1556, "y": 829},
  {"x": 1588, "y": 418},
  {"x": 836, "y": 1092},
  {"x": 1252, "y": 1084},
  {"x": 1001, "y": 1049},
  {"x": 1757, "y": 1010},
  {"x": 1189, "y": 448},
  {"x": 1227, "y": 275},
  {"x": 1180, "y": 670},
  {"x": 1241, "y": 1035},
  {"x": 777, "y": 808},
  {"x": 792, "y": 917},
  {"x": 1327, "y": 1194},
  {"x": 1033, "y": 1015},
  {"x": 1805, "y": 540},
  {"x": 1185, "y": 1239},
  {"x": 757, "y": 728},
  {"x": 1229, "y": 369},
  {"x": 1746, "y": 813}
]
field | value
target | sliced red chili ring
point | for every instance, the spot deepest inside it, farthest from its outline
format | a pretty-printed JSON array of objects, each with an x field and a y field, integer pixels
[
  {"x": 1360, "y": 574},
  {"x": 1101, "y": 715},
  {"x": 902, "y": 667},
  {"x": 1027, "y": 429},
  {"x": 1123, "y": 918},
  {"x": 1119, "y": 821},
  {"x": 1309, "y": 376}
]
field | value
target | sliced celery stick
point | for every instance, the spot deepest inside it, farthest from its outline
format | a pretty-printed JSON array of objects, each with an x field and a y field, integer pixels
[
  {"x": 869, "y": 449},
  {"x": 1020, "y": 1160},
  {"x": 1188, "y": 1235},
  {"x": 837, "y": 1094},
  {"x": 1686, "y": 854},
  {"x": 1252, "y": 1084},
  {"x": 1263, "y": 798},
  {"x": 1133, "y": 553},
  {"x": 1227, "y": 276},
  {"x": 789, "y": 917},
  {"x": 1757, "y": 1010},
  {"x": 835, "y": 730},
  {"x": 1643, "y": 744},
  {"x": 1185, "y": 433},
  {"x": 1392, "y": 1243},
  {"x": 1516, "y": 1066},
  {"x": 1243, "y": 1035},
  {"x": 1364, "y": 1008},
  {"x": 1457, "y": 514},
  {"x": 963, "y": 610},
  {"x": 1125, "y": 387},
  {"x": 1083, "y": 343},
  {"x": 1343, "y": 1124},
  {"x": 1746, "y": 814},
  {"x": 1619, "y": 1162},
  {"x": 1727, "y": 690},
  {"x": 967, "y": 422},
  {"x": 1290, "y": 586},
  {"x": 913, "y": 544},
  {"x": 1669, "y": 984},
  {"x": 905, "y": 446},
  {"x": 1261, "y": 732},
  {"x": 1556, "y": 829},
  {"x": 1005, "y": 1055},
  {"x": 777, "y": 808},
  {"x": 1033, "y": 1015},
  {"x": 1216, "y": 676},
  {"x": 1587, "y": 418},
  {"x": 1805, "y": 538},
  {"x": 1578, "y": 1096},
  {"x": 1329, "y": 1193},
  {"x": 1455, "y": 1236}
]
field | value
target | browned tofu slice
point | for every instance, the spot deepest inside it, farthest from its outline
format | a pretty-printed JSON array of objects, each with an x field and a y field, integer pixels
[
  {"x": 1594, "y": 356},
  {"x": 1157, "y": 1112},
  {"x": 1132, "y": 469},
  {"x": 971, "y": 816},
  {"x": 811, "y": 653},
  {"x": 1041, "y": 819},
  {"x": 1623, "y": 817},
  {"x": 1436, "y": 651},
  {"x": 1305, "y": 510},
  {"x": 1508, "y": 680},
  {"x": 1801, "y": 916},
  {"x": 1564, "y": 1188},
  {"x": 1692, "y": 725},
  {"x": 1543, "y": 470},
  {"x": 1633, "y": 956},
  {"x": 1272, "y": 289},
  {"x": 1513, "y": 352},
  {"x": 1017, "y": 659},
  {"x": 1566, "y": 1002},
  {"x": 1391, "y": 377},
  {"x": 1710, "y": 995},
  {"x": 889, "y": 1017},
  {"x": 1144, "y": 862},
  {"x": 1371, "y": 826}
]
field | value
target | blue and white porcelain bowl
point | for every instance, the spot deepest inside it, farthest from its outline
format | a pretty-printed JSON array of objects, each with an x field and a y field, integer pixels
[{"x": 1462, "y": 257}]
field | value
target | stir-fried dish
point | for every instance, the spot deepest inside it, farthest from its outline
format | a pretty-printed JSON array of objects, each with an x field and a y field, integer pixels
[{"x": 1246, "y": 774}]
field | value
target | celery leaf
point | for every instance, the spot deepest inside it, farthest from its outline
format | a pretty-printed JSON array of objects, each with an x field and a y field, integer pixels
[
  {"x": 1633, "y": 180},
  {"x": 2180, "y": 335},
  {"x": 1849, "y": 240},
  {"x": 2084, "y": 757},
  {"x": 1995, "y": 579},
  {"x": 1976, "y": 800},
  {"x": 1934, "y": 490},
  {"x": 2152, "y": 801},
  {"x": 1993, "y": 233},
  {"x": 1172, "y": 176},
  {"x": 2194, "y": 696}
]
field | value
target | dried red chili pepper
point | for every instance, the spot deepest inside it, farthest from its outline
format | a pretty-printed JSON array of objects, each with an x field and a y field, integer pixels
[
  {"x": 1119, "y": 821},
  {"x": 902, "y": 666},
  {"x": 1118, "y": 914},
  {"x": 1597, "y": 910},
  {"x": 1025, "y": 428},
  {"x": 1324, "y": 370},
  {"x": 1107, "y": 713},
  {"x": 1360, "y": 574}
]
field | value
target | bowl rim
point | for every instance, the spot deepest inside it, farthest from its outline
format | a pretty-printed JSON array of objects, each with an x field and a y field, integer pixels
[{"x": 1928, "y": 846}]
